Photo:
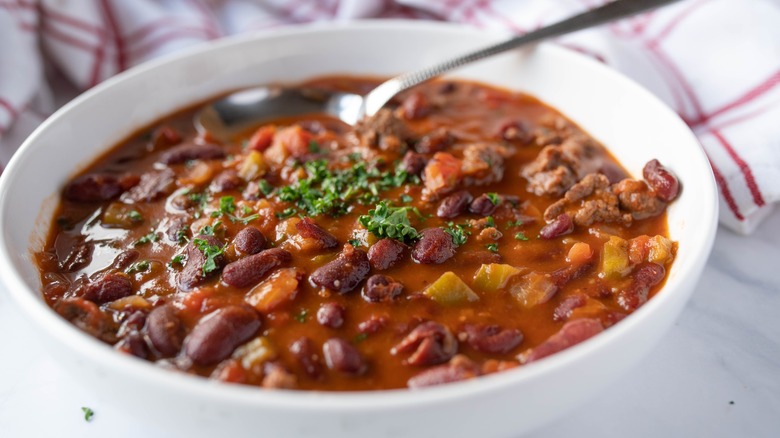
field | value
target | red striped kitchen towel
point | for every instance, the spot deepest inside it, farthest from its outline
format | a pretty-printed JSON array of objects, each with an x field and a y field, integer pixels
[{"x": 716, "y": 62}]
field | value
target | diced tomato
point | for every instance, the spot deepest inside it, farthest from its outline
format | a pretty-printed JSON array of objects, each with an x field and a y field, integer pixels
[{"x": 262, "y": 138}]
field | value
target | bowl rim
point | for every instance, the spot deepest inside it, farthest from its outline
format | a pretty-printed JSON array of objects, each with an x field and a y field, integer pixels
[{"x": 41, "y": 315}]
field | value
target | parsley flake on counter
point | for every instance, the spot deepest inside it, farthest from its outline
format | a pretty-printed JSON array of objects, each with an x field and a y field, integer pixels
[
  {"x": 386, "y": 221},
  {"x": 88, "y": 413}
]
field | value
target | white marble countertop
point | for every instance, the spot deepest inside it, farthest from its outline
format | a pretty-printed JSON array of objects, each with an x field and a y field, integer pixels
[{"x": 715, "y": 374}]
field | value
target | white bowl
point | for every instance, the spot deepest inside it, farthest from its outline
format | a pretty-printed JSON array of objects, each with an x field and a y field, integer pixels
[{"x": 634, "y": 125}]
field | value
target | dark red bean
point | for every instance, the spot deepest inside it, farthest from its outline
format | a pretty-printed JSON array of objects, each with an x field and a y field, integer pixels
[
  {"x": 560, "y": 226},
  {"x": 482, "y": 205},
  {"x": 645, "y": 277},
  {"x": 251, "y": 269},
  {"x": 178, "y": 230},
  {"x": 572, "y": 333},
  {"x": 381, "y": 288},
  {"x": 215, "y": 336},
  {"x": 331, "y": 315},
  {"x": 563, "y": 311},
  {"x": 430, "y": 343},
  {"x": 133, "y": 343},
  {"x": 165, "y": 330},
  {"x": 415, "y": 106},
  {"x": 434, "y": 246},
  {"x": 135, "y": 321},
  {"x": 662, "y": 180},
  {"x": 458, "y": 369},
  {"x": 94, "y": 187},
  {"x": 454, "y": 205},
  {"x": 249, "y": 241},
  {"x": 107, "y": 288},
  {"x": 191, "y": 151},
  {"x": 303, "y": 350},
  {"x": 78, "y": 258},
  {"x": 492, "y": 339},
  {"x": 515, "y": 130},
  {"x": 345, "y": 273},
  {"x": 226, "y": 181},
  {"x": 385, "y": 253},
  {"x": 613, "y": 172},
  {"x": 341, "y": 356},
  {"x": 309, "y": 229},
  {"x": 373, "y": 324},
  {"x": 192, "y": 275},
  {"x": 439, "y": 140},
  {"x": 152, "y": 186},
  {"x": 413, "y": 163},
  {"x": 87, "y": 316},
  {"x": 125, "y": 259},
  {"x": 166, "y": 136}
]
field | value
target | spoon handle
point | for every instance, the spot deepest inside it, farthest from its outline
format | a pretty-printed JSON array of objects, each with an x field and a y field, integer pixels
[{"x": 609, "y": 12}]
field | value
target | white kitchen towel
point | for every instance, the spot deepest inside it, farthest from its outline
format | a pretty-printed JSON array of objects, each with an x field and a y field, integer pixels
[{"x": 716, "y": 62}]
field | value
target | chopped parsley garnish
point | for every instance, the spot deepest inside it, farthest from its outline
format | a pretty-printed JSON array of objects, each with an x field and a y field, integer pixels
[
  {"x": 458, "y": 232},
  {"x": 301, "y": 316},
  {"x": 178, "y": 259},
  {"x": 140, "y": 266},
  {"x": 385, "y": 220},
  {"x": 355, "y": 242},
  {"x": 265, "y": 187},
  {"x": 209, "y": 230},
  {"x": 406, "y": 198},
  {"x": 332, "y": 192},
  {"x": 516, "y": 223},
  {"x": 520, "y": 236},
  {"x": 360, "y": 337},
  {"x": 227, "y": 205},
  {"x": 211, "y": 252},
  {"x": 149, "y": 237},
  {"x": 198, "y": 198},
  {"x": 246, "y": 209},
  {"x": 88, "y": 413},
  {"x": 492, "y": 247},
  {"x": 490, "y": 222},
  {"x": 314, "y": 147},
  {"x": 135, "y": 216},
  {"x": 284, "y": 214},
  {"x": 494, "y": 198}
]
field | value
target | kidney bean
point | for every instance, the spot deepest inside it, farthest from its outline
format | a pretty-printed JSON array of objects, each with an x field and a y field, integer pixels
[
  {"x": 439, "y": 140},
  {"x": 303, "y": 350},
  {"x": 165, "y": 330},
  {"x": 341, "y": 356},
  {"x": 135, "y": 321},
  {"x": 215, "y": 336},
  {"x": 454, "y": 205},
  {"x": 492, "y": 339},
  {"x": 563, "y": 311},
  {"x": 276, "y": 376},
  {"x": 572, "y": 333},
  {"x": 482, "y": 205},
  {"x": 345, "y": 273},
  {"x": 251, "y": 269},
  {"x": 434, "y": 246},
  {"x": 381, "y": 288},
  {"x": 87, "y": 316},
  {"x": 133, "y": 343},
  {"x": 613, "y": 172},
  {"x": 560, "y": 226},
  {"x": 192, "y": 275},
  {"x": 415, "y": 106},
  {"x": 107, "y": 288},
  {"x": 385, "y": 253},
  {"x": 226, "y": 181},
  {"x": 430, "y": 343},
  {"x": 78, "y": 258},
  {"x": 152, "y": 186},
  {"x": 309, "y": 229},
  {"x": 478, "y": 257},
  {"x": 191, "y": 151},
  {"x": 413, "y": 163},
  {"x": 125, "y": 259},
  {"x": 331, "y": 315},
  {"x": 249, "y": 241},
  {"x": 93, "y": 187},
  {"x": 165, "y": 136},
  {"x": 515, "y": 130},
  {"x": 373, "y": 324},
  {"x": 662, "y": 180},
  {"x": 458, "y": 369},
  {"x": 645, "y": 277},
  {"x": 177, "y": 229}
]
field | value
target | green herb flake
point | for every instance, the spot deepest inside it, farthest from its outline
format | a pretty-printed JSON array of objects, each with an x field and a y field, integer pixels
[
  {"x": 88, "y": 413},
  {"x": 406, "y": 198},
  {"x": 513, "y": 224},
  {"x": 314, "y": 147},
  {"x": 265, "y": 187},
  {"x": 492, "y": 247},
  {"x": 140, "y": 266},
  {"x": 385, "y": 221},
  {"x": 355, "y": 242},
  {"x": 490, "y": 222},
  {"x": 520, "y": 236},
  {"x": 178, "y": 259},
  {"x": 301, "y": 316},
  {"x": 211, "y": 252},
  {"x": 227, "y": 205},
  {"x": 458, "y": 232},
  {"x": 149, "y": 237},
  {"x": 287, "y": 212},
  {"x": 246, "y": 209},
  {"x": 360, "y": 337},
  {"x": 494, "y": 198},
  {"x": 135, "y": 216}
]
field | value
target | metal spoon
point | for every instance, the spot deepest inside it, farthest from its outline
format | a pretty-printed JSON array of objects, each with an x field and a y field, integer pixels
[{"x": 239, "y": 111}]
